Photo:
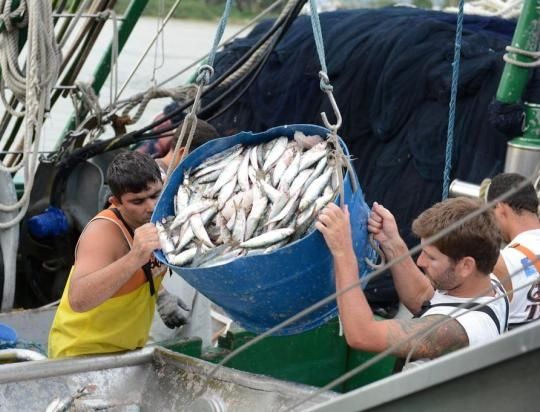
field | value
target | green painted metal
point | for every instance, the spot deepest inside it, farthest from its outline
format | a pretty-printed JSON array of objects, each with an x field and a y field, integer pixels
[
  {"x": 314, "y": 357},
  {"x": 130, "y": 18},
  {"x": 531, "y": 132},
  {"x": 514, "y": 78},
  {"x": 187, "y": 346}
]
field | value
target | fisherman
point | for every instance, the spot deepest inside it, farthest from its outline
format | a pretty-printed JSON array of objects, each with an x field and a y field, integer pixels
[
  {"x": 204, "y": 132},
  {"x": 518, "y": 267},
  {"x": 456, "y": 271},
  {"x": 109, "y": 298}
]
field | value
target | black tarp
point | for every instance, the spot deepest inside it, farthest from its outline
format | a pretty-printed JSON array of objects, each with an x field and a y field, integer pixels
[{"x": 391, "y": 72}]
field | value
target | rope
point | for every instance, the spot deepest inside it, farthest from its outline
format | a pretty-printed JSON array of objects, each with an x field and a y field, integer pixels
[
  {"x": 526, "y": 53},
  {"x": 204, "y": 74},
  {"x": 453, "y": 97},
  {"x": 219, "y": 34},
  {"x": 142, "y": 100},
  {"x": 32, "y": 89}
]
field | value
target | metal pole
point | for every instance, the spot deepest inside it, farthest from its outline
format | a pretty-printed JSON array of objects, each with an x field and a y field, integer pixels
[{"x": 514, "y": 78}]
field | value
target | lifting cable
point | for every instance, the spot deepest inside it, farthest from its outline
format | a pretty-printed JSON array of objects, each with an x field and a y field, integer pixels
[{"x": 453, "y": 103}]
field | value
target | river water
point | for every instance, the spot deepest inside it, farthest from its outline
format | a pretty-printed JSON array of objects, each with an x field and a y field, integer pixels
[{"x": 182, "y": 42}]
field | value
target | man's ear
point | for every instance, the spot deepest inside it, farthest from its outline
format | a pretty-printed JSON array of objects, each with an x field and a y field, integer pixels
[
  {"x": 468, "y": 264},
  {"x": 113, "y": 200}
]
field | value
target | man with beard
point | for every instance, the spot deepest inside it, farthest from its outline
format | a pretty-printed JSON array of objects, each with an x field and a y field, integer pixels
[
  {"x": 444, "y": 298},
  {"x": 518, "y": 267},
  {"x": 109, "y": 298}
]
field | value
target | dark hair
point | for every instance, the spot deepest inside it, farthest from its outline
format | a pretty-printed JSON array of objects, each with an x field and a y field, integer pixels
[
  {"x": 204, "y": 132},
  {"x": 524, "y": 199},
  {"x": 478, "y": 237},
  {"x": 131, "y": 172}
]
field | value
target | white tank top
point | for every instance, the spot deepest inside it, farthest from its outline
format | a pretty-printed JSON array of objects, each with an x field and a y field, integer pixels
[{"x": 525, "y": 304}]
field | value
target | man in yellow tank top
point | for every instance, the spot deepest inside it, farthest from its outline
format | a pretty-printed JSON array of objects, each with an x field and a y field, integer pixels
[{"x": 109, "y": 299}]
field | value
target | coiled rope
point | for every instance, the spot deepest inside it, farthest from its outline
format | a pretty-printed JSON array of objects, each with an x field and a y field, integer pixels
[{"x": 33, "y": 89}]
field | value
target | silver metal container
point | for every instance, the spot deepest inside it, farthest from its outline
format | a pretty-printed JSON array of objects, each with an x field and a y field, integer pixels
[{"x": 152, "y": 379}]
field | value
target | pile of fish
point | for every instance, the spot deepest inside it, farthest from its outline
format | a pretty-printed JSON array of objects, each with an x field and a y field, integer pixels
[{"x": 249, "y": 200}]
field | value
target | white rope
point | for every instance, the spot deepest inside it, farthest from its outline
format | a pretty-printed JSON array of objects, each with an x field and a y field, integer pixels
[{"x": 33, "y": 89}]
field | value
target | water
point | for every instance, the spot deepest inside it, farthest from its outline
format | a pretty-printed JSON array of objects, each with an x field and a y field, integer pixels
[{"x": 182, "y": 43}]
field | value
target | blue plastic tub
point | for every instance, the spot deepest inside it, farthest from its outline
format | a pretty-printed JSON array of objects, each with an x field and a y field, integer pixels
[
  {"x": 8, "y": 336},
  {"x": 261, "y": 291}
]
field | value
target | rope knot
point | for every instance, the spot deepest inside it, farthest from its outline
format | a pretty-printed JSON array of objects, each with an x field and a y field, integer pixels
[
  {"x": 325, "y": 82},
  {"x": 204, "y": 74}
]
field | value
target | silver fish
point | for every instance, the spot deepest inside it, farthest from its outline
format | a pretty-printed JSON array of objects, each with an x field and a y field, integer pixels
[
  {"x": 229, "y": 172},
  {"x": 313, "y": 155},
  {"x": 282, "y": 164},
  {"x": 243, "y": 172},
  {"x": 232, "y": 151},
  {"x": 268, "y": 238},
  {"x": 226, "y": 192},
  {"x": 291, "y": 172},
  {"x": 277, "y": 150},
  {"x": 315, "y": 189},
  {"x": 199, "y": 231},
  {"x": 186, "y": 212},
  {"x": 182, "y": 258},
  {"x": 260, "y": 202}
]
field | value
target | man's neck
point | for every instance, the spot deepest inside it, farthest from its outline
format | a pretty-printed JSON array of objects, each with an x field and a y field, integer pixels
[
  {"x": 523, "y": 223},
  {"x": 479, "y": 284}
]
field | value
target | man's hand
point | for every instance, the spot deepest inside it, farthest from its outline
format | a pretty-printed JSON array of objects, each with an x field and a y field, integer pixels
[
  {"x": 335, "y": 226},
  {"x": 145, "y": 241},
  {"x": 384, "y": 228},
  {"x": 172, "y": 309}
]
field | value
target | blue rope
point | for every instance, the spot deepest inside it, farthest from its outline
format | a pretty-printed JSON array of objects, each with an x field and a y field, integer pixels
[
  {"x": 206, "y": 71},
  {"x": 319, "y": 43},
  {"x": 452, "y": 106}
]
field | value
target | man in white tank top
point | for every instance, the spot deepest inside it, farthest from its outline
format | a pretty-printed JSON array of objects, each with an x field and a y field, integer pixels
[
  {"x": 455, "y": 300},
  {"x": 518, "y": 266}
]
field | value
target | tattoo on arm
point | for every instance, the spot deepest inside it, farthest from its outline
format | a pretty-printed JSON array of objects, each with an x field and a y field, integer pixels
[{"x": 446, "y": 335}]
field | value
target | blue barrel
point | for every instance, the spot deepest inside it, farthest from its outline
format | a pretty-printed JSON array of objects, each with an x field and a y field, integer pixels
[{"x": 262, "y": 291}]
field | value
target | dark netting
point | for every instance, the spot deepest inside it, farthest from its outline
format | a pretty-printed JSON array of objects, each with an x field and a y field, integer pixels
[{"x": 391, "y": 72}]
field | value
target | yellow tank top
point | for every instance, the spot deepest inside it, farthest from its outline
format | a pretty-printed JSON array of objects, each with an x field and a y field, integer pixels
[{"x": 120, "y": 323}]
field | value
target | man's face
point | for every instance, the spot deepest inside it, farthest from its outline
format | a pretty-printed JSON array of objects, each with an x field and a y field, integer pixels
[
  {"x": 137, "y": 208},
  {"x": 439, "y": 268}
]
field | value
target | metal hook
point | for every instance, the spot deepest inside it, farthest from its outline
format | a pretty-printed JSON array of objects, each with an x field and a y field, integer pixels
[
  {"x": 337, "y": 113},
  {"x": 378, "y": 250}
]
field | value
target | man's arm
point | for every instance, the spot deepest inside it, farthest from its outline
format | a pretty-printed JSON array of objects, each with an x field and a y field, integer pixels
[
  {"x": 501, "y": 271},
  {"x": 362, "y": 331},
  {"x": 104, "y": 262},
  {"x": 412, "y": 286}
]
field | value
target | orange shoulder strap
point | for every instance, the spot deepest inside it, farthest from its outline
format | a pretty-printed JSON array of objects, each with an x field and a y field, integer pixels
[{"x": 535, "y": 260}]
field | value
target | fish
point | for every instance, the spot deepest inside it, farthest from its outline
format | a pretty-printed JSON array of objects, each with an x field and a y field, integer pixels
[
  {"x": 249, "y": 200},
  {"x": 267, "y": 239}
]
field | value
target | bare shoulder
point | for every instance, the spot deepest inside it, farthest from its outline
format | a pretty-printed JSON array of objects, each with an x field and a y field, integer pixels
[
  {"x": 101, "y": 238},
  {"x": 427, "y": 337}
]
